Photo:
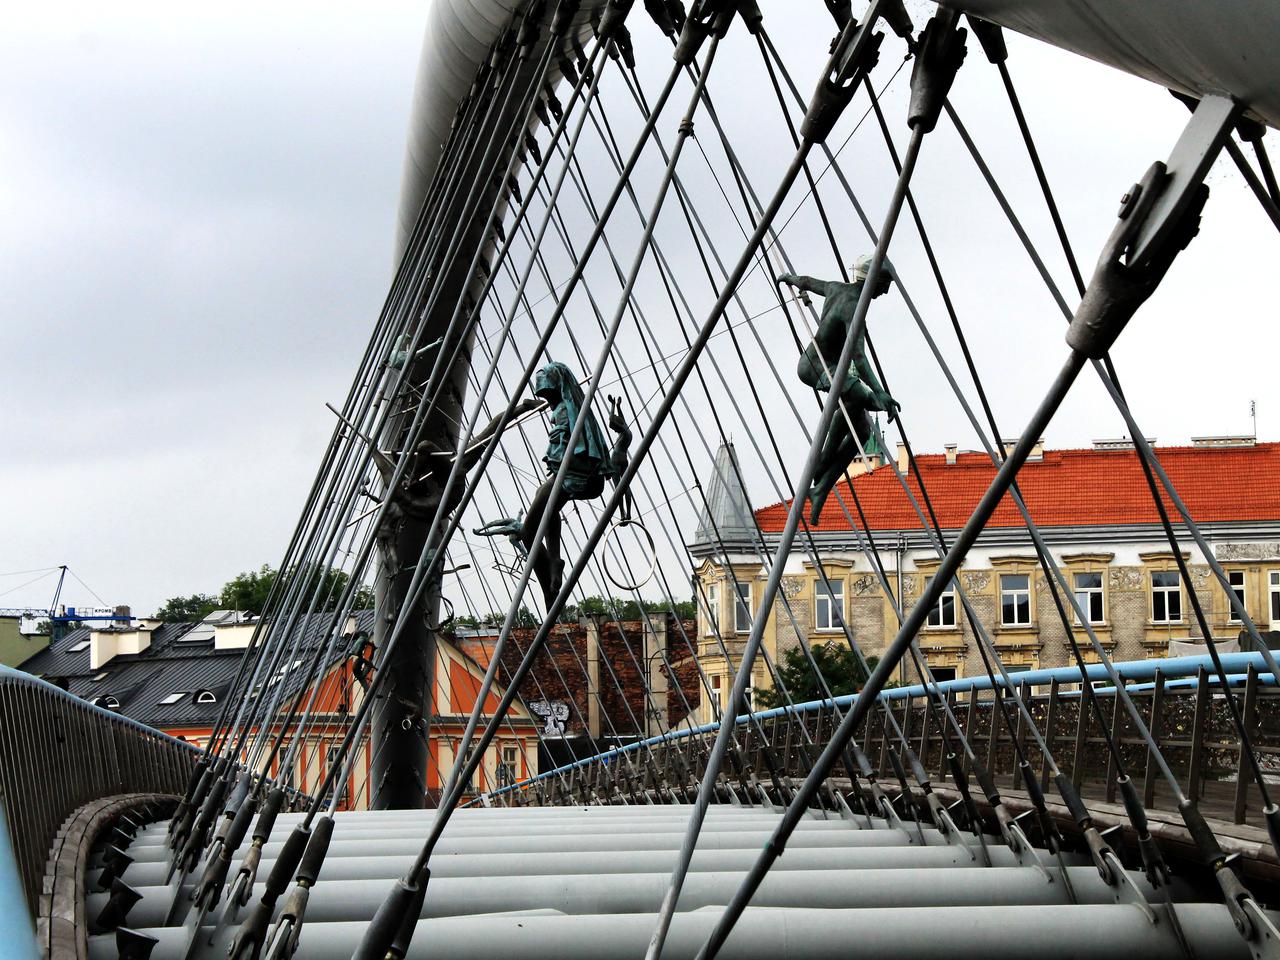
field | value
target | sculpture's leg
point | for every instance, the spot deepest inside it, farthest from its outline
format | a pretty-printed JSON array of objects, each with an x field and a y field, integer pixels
[
  {"x": 548, "y": 568},
  {"x": 830, "y": 465},
  {"x": 837, "y": 459}
]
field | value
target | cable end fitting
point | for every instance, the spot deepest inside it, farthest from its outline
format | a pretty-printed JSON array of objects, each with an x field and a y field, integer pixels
[
  {"x": 856, "y": 52},
  {"x": 990, "y": 36},
  {"x": 667, "y": 14},
  {"x": 614, "y": 16},
  {"x": 941, "y": 51},
  {"x": 562, "y": 19},
  {"x": 895, "y": 14},
  {"x": 1118, "y": 288},
  {"x": 530, "y": 28},
  {"x": 387, "y": 922}
]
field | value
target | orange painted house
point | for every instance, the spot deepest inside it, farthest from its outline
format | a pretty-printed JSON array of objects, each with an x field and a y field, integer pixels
[{"x": 176, "y": 677}]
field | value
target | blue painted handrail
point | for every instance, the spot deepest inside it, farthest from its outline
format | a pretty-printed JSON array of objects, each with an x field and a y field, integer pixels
[{"x": 1181, "y": 671}]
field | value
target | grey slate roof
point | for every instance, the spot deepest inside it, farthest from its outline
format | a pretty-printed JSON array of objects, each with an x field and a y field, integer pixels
[
  {"x": 181, "y": 659},
  {"x": 726, "y": 516}
]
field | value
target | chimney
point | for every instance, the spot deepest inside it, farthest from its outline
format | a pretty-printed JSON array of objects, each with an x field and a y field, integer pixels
[
  {"x": 232, "y": 636},
  {"x": 106, "y": 645},
  {"x": 1037, "y": 451},
  {"x": 951, "y": 449},
  {"x": 904, "y": 461},
  {"x": 1223, "y": 441}
]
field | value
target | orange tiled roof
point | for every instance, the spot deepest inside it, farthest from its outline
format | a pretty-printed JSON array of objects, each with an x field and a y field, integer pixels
[{"x": 1067, "y": 488}]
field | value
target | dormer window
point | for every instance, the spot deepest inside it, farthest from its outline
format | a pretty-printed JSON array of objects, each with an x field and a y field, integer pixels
[
  {"x": 107, "y": 702},
  {"x": 206, "y": 698}
]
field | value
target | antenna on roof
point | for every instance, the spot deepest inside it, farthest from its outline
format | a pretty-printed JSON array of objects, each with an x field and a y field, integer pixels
[{"x": 1253, "y": 413}]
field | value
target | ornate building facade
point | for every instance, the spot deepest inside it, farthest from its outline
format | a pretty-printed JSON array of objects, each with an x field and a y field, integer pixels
[{"x": 1094, "y": 509}]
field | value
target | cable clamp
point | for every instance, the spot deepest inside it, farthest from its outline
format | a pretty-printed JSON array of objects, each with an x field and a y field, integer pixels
[{"x": 1158, "y": 217}]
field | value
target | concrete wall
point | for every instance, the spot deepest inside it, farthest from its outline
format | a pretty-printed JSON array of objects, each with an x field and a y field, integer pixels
[{"x": 16, "y": 647}]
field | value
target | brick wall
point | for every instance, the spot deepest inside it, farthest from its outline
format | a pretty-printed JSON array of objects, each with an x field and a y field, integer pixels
[{"x": 565, "y": 672}]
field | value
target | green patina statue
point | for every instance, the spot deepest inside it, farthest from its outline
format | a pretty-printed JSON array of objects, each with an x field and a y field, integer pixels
[
  {"x": 860, "y": 389},
  {"x": 590, "y": 464}
]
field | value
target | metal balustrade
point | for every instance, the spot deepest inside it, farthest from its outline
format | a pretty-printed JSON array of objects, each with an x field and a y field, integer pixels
[
  {"x": 1180, "y": 699},
  {"x": 58, "y": 753}
]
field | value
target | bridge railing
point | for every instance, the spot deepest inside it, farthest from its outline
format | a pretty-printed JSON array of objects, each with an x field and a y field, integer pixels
[
  {"x": 1180, "y": 700},
  {"x": 58, "y": 753}
]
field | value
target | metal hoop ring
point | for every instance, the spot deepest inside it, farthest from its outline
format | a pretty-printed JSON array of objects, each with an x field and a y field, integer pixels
[
  {"x": 653, "y": 555},
  {"x": 447, "y": 622}
]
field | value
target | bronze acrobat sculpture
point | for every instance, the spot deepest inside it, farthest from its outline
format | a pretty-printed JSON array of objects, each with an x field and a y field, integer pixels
[
  {"x": 860, "y": 389},
  {"x": 591, "y": 462}
]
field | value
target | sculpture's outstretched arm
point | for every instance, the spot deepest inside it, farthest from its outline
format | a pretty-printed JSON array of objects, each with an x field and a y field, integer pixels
[{"x": 807, "y": 284}]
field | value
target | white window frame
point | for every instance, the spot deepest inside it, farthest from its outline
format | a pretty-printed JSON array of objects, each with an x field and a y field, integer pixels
[
  {"x": 712, "y": 626},
  {"x": 1166, "y": 591},
  {"x": 509, "y": 761},
  {"x": 1273, "y": 597},
  {"x": 1015, "y": 592},
  {"x": 172, "y": 698},
  {"x": 824, "y": 604},
  {"x": 1240, "y": 590},
  {"x": 742, "y": 607},
  {"x": 943, "y": 614},
  {"x": 1084, "y": 596}
]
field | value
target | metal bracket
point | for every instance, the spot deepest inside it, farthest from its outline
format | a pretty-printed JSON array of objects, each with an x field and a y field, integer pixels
[
  {"x": 1264, "y": 943},
  {"x": 1124, "y": 889},
  {"x": 956, "y": 836},
  {"x": 1026, "y": 853},
  {"x": 1192, "y": 156}
]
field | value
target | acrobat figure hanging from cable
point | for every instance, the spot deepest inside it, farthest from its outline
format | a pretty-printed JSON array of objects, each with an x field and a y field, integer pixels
[
  {"x": 590, "y": 463},
  {"x": 860, "y": 389}
]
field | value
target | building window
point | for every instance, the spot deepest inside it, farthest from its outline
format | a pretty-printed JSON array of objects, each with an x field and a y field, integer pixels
[
  {"x": 1166, "y": 597},
  {"x": 1236, "y": 579},
  {"x": 509, "y": 771},
  {"x": 828, "y": 605},
  {"x": 713, "y": 609},
  {"x": 943, "y": 674},
  {"x": 742, "y": 609},
  {"x": 943, "y": 613},
  {"x": 1274, "y": 581},
  {"x": 721, "y": 690},
  {"x": 1089, "y": 596},
  {"x": 1015, "y": 599}
]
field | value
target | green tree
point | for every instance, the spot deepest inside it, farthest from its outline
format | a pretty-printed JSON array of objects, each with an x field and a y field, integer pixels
[
  {"x": 187, "y": 609},
  {"x": 325, "y": 585},
  {"x": 628, "y": 609},
  {"x": 840, "y": 668},
  {"x": 249, "y": 591}
]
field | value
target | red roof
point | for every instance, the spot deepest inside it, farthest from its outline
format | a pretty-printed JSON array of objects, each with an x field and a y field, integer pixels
[{"x": 1066, "y": 488}]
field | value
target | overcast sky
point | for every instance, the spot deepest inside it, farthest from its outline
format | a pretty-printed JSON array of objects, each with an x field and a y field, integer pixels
[{"x": 196, "y": 224}]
